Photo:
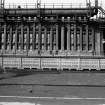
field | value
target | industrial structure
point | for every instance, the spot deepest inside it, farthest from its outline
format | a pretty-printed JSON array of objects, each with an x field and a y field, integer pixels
[{"x": 53, "y": 38}]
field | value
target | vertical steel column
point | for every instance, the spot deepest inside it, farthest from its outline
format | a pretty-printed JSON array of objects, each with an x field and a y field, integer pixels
[
  {"x": 68, "y": 37},
  {"x": 5, "y": 28},
  {"x": 93, "y": 40},
  {"x": 45, "y": 38},
  {"x": 87, "y": 38},
  {"x": 101, "y": 43},
  {"x": 39, "y": 37},
  {"x": 28, "y": 33},
  {"x": 1, "y": 35},
  {"x": 22, "y": 37},
  {"x": 75, "y": 34},
  {"x": 10, "y": 38},
  {"x": 33, "y": 37},
  {"x": 16, "y": 33},
  {"x": 56, "y": 37},
  {"x": 51, "y": 33},
  {"x": 62, "y": 38},
  {"x": 80, "y": 38},
  {"x": 98, "y": 42}
]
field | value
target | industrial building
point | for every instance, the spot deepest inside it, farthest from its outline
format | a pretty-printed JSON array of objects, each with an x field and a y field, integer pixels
[{"x": 52, "y": 38}]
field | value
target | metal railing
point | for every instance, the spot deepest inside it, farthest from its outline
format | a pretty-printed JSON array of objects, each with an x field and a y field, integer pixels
[{"x": 46, "y": 5}]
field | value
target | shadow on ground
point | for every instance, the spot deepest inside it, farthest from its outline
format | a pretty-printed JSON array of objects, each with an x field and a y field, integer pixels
[{"x": 20, "y": 73}]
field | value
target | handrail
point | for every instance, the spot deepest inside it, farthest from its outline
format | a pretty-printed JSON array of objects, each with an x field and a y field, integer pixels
[{"x": 46, "y": 5}]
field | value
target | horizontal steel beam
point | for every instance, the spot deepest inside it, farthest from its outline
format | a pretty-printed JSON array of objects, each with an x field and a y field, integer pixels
[{"x": 49, "y": 11}]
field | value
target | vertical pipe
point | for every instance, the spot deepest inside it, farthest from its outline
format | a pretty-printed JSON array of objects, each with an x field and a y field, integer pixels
[
  {"x": 51, "y": 38},
  {"x": 28, "y": 33},
  {"x": 75, "y": 43},
  {"x": 16, "y": 33},
  {"x": 62, "y": 38},
  {"x": 21, "y": 62},
  {"x": 98, "y": 42},
  {"x": 33, "y": 37},
  {"x": 39, "y": 42},
  {"x": 93, "y": 41},
  {"x": 87, "y": 38},
  {"x": 56, "y": 37},
  {"x": 10, "y": 38},
  {"x": 1, "y": 36},
  {"x": 39, "y": 38},
  {"x": 2, "y": 61},
  {"x": 81, "y": 38},
  {"x": 101, "y": 43},
  {"x": 5, "y": 36},
  {"x": 68, "y": 37},
  {"x": 22, "y": 37},
  {"x": 45, "y": 38},
  {"x": 96, "y": 3}
]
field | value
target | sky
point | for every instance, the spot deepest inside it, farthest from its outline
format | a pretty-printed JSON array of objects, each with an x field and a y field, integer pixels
[{"x": 101, "y": 2}]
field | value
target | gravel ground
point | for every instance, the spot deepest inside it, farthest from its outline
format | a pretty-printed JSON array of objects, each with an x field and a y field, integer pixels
[
  {"x": 72, "y": 85},
  {"x": 49, "y": 78}
]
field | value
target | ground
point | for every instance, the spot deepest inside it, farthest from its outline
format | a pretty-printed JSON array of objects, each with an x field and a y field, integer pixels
[{"x": 53, "y": 88}]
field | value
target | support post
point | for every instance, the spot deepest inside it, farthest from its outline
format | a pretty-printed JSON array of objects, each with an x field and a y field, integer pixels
[
  {"x": 33, "y": 37},
  {"x": 1, "y": 36},
  {"x": 16, "y": 33},
  {"x": 5, "y": 36},
  {"x": 93, "y": 40},
  {"x": 51, "y": 38},
  {"x": 80, "y": 38},
  {"x": 101, "y": 43},
  {"x": 98, "y": 42},
  {"x": 45, "y": 38},
  {"x": 28, "y": 33},
  {"x": 22, "y": 37},
  {"x": 39, "y": 38},
  {"x": 10, "y": 38},
  {"x": 62, "y": 38},
  {"x": 68, "y": 37},
  {"x": 75, "y": 43},
  {"x": 56, "y": 37},
  {"x": 87, "y": 38}
]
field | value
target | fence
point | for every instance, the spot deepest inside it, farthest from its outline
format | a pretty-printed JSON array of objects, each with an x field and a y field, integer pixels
[
  {"x": 46, "y": 5},
  {"x": 58, "y": 63}
]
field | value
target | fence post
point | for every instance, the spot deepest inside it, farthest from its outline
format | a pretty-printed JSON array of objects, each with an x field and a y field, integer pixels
[{"x": 21, "y": 62}]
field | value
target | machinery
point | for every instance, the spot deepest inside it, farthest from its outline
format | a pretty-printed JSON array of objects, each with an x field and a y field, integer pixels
[{"x": 52, "y": 38}]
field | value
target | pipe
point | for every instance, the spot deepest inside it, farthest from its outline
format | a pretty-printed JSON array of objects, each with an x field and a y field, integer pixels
[
  {"x": 96, "y": 3},
  {"x": 49, "y": 11}
]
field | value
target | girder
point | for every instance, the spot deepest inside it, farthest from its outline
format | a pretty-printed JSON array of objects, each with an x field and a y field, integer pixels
[{"x": 49, "y": 11}]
